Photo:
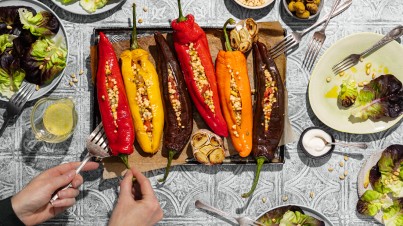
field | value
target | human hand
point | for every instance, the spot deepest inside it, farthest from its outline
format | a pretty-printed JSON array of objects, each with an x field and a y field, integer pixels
[
  {"x": 31, "y": 204},
  {"x": 137, "y": 204}
]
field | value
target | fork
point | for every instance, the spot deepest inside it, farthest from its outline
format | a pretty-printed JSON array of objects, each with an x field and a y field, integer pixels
[
  {"x": 97, "y": 146},
  {"x": 353, "y": 59},
  {"x": 291, "y": 40},
  {"x": 243, "y": 221},
  {"x": 16, "y": 104},
  {"x": 317, "y": 41}
]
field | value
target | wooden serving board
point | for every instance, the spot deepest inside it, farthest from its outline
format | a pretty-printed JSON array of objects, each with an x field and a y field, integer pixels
[{"x": 269, "y": 33}]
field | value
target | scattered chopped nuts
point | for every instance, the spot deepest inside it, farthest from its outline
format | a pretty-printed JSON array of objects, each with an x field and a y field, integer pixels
[
  {"x": 368, "y": 65},
  {"x": 365, "y": 83},
  {"x": 345, "y": 172},
  {"x": 273, "y": 220},
  {"x": 330, "y": 169},
  {"x": 360, "y": 84},
  {"x": 346, "y": 157},
  {"x": 285, "y": 198},
  {"x": 140, "y": 20},
  {"x": 81, "y": 72},
  {"x": 145, "y": 8},
  {"x": 341, "y": 164},
  {"x": 75, "y": 80},
  {"x": 253, "y": 91},
  {"x": 373, "y": 75},
  {"x": 341, "y": 73},
  {"x": 40, "y": 66},
  {"x": 312, "y": 194},
  {"x": 341, "y": 177},
  {"x": 71, "y": 83},
  {"x": 396, "y": 173},
  {"x": 264, "y": 199},
  {"x": 37, "y": 87},
  {"x": 73, "y": 75},
  {"x": 368, "y": 71},
  {"x": 328, "y": 79},
  {"x": 9, "y": 27},
  {"x": 361, "y": 59}
]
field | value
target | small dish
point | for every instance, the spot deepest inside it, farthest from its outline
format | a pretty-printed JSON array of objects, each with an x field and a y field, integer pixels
[
  {"x": 241, "y": 3},
  {"x": 312, "y": 144},
  {"x": 291, "y": 14},
  {"x": 53, "y": 119}
]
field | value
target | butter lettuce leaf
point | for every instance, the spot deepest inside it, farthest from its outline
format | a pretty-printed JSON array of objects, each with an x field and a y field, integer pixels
[
  {"x": 383, "y": 96},
  {"x": 42, "y": 24},
  {"x": 393, "y": 216},
  {"x": 6, "y": 41},
  {"x": 11, "y": 75},
  {"x": 92, "y": 5}
]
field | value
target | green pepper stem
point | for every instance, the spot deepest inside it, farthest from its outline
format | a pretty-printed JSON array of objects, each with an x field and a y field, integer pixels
[
  {"x": 181, "y": 17},
  {"x": 227, "y": 43},
  {"x": 134, "y": 44},
  {"x": 260, "y": 161},
  {"x": 171, "y": 154},
  {"x": 125, "y": 159}
]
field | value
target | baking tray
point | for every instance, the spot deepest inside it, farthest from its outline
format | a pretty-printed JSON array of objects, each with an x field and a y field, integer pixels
[{"x": 121, "y": 34}]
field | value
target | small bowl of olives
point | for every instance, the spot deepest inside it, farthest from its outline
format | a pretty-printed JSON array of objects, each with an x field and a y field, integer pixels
[{"x": 303, "y": 9}]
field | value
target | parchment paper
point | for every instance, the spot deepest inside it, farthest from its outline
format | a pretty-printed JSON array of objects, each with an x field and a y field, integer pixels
[{"x": 269, "y": 33}]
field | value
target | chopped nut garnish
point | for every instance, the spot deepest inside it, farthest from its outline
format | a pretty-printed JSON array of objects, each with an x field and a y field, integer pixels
[
  {"x": 103, "y": 97},
  {"x": 365, "y": 83},
  {"x": 341, "y": 73},
  {"x": 145, "y": 8},
  {"x": 37, "y": 87},
  {"x": 330, "y": 169},
  {"x": 264, "y": 199},
  {"x": 396, "y": 173},
  {"x": 273, "y": 220},
  {"x": 140, "y": 20},
  {"x": 73, "y": 75},
  {"x": 368, "y": 71},
  {"x": 71, "y": 83},
  {"x": 253, "y": 91},
  {"x": 253, "y": 2},
  {"x": 200, "y": 77},
  {"x": 373, "y": 75},
  {"x": 285, "y": 198},
  {"x": 341, "y": 177},
  {"x": 75, "y": 80},
  {"x": 341, "y": 164},
  {"x": 40, "y": 66},
  {"x": 312, "y": 194},
  {"x": 81, "y": 72},
  {"x": 368, "y": 65},
  {"x": 360, "y": 84},
  {"x": 269, "y": 98},
  {"x": 328, "y": 79},
  {"x": 235, "y": 98},
  {"x": 174, "y": 96},
  {"x": 346, "y": 157},
  {"x": 345, "y": 173},
  {"x": 9, "y": 27},
  {"x": 361, "y": 59}
]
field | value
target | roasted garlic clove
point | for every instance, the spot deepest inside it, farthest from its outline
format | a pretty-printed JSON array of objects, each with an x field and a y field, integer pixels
[
  {"x": 215, "y": 142},
  {"x": 207, "y": 149},
  {"x": 202, "y": 158},
  {"x": 235, "y": 39},
  {"x": 199, "y": 139},
  {"x": 252, "y": 27},
  {"x": 217, "y": 156}
]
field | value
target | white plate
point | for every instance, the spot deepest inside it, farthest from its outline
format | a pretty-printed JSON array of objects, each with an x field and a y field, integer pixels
[
  {"x": 364, "y": 173},
  {"x": 383, "y": 61},
  {"x": 307, "y": 211},
  {"x": 38, "y": 6},
  {"x": 76, "y": 8}
]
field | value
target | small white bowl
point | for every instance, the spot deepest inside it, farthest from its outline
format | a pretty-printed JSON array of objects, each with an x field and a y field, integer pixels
[{"x": 268, "y": 2}]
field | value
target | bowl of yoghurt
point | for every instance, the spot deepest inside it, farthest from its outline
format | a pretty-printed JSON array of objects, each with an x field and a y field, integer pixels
[{"x": 313, "y": 142}]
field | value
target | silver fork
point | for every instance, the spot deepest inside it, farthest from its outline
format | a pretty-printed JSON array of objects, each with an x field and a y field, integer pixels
[
  {"x": 317, "y": 41},
  {"x": 353, "y": 59},
  {"x": 16, "y": 103},
  {"x": 243, "y": 221},
  {"x": 291, "y": 40},
  {"x": 97, "y": 146}
]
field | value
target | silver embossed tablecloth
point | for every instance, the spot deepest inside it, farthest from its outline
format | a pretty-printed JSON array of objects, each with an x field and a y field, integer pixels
[{"x": 302, "y": 180}]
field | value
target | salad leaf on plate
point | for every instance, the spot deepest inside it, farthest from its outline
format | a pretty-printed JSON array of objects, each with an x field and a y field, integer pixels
[
  {"x": 11, "y": 75},
  {"x": 348, "y": 93},
  {"x": 45, "y": 59},
  {"x": 289, "y": 216},
  {"x": 393, "y": 216},
  {"x": 9, "y": 19},
  {"x": 42, "y": 24},
  {"x": 371, "y": 202},
  {"x": 383, "y": 96},
  {"x": 92, "y": 5},
  {"x": 6, "y": 41}
]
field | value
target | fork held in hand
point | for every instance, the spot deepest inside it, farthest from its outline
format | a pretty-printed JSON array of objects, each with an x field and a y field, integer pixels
[
  {"x": 243, "y": 221},
  {"x": 291, "y": 40},
  {"x": 16, "y": 104},
  {"x": 317, "y": 41},
  {"x": 97, "y": 146},
  {"x": 353, "y": 59}
]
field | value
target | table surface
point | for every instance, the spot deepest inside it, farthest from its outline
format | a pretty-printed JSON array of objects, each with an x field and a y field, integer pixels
[{"x": 302, "y": 180}]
